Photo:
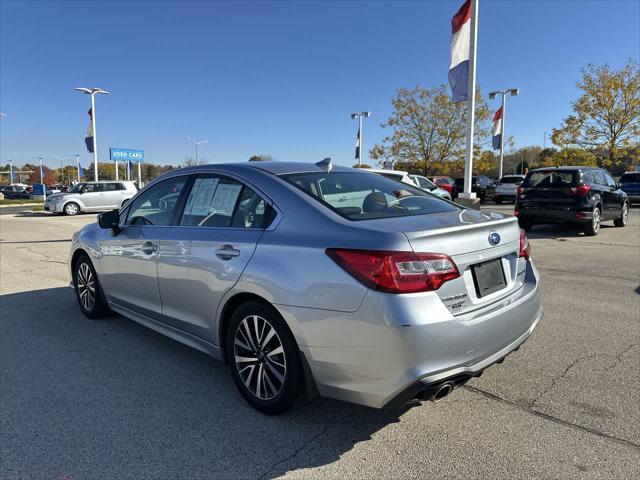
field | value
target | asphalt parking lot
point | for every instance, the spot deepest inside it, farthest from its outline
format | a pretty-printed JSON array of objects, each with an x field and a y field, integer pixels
[{"x": 112, "y": 399}]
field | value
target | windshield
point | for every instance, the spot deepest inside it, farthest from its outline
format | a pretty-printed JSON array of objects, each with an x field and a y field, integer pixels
[
  {"x": 511, "y": 180},
  {"x": 76, "y": 188},
  {"x": 424, "y": 182},
  {"x": 366, "y": 196}
]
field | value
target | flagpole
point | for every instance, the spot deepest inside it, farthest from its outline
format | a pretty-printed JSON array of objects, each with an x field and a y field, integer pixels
[
  {"x": 468, "y": 161},
  {"x": 504, "y": 116},
  {"x": 78, "y": 165}
]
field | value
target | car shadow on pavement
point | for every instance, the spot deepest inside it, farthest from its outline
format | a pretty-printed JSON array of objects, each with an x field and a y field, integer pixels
[
  {"x": 112, "y": 399},
  {"x": 559, "y": 231}
]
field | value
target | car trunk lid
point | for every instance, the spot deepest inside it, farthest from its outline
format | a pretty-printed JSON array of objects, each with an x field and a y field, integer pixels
[{"x": 489, "y": 269}]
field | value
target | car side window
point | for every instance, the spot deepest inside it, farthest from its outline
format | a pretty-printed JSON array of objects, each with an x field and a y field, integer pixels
[
  {"x": 158, "y": 204},
  {"x": 217, "y": 201},
  {"x": 610, "y": 182},
  {"x": 91, "y": 187},
  {"x": 598, "y": 177}
]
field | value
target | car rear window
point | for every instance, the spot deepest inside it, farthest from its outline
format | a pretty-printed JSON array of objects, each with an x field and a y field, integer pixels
[
  {"x": 366, "y": 196},
  {"x": 551, "y": 179},
  {"x": 510, "y": 179},
  {"x": 630, "y": 177}
]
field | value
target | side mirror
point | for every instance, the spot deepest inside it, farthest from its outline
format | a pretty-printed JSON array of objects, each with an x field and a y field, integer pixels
[{"x": 110, "y": 219}]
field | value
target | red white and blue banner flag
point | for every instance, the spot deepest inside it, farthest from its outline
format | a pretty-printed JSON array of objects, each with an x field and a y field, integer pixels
[
  {"x": 460, "y": 53},
  {"x": 88, "y": 139},
  {"x": 496, "y": 129}
]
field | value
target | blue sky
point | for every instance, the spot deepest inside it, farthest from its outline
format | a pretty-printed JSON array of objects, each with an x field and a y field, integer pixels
[{"x": 277, "y": 77}]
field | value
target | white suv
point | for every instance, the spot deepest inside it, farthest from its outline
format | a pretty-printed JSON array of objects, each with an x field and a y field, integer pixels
[{"x": 91, "y": 197}]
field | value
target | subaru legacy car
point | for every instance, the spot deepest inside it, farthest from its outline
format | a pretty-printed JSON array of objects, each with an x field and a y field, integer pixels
[
  {"x": 91, "y": 197},
  {"x": 316, "y": 280},
  {"x": 583, "y": 195}
]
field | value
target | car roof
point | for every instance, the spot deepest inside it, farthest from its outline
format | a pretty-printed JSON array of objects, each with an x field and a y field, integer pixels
[
  {"x": 106, "y": 181},
  {"x": 383, "y": 170},
  {"x": 274, "y": 167},
  {"x": 561, "y": 169}
]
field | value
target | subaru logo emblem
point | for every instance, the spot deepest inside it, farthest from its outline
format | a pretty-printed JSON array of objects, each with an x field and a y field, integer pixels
[{"x": 494, "y": 238}]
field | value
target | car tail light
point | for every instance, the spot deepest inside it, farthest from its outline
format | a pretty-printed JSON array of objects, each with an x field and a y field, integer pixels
[
  {"x": 519, "y": 190},
  {"x": 580, "y": 190},
  {"x": 396, "y": 272},
  {"x": 525, "y": 246}
]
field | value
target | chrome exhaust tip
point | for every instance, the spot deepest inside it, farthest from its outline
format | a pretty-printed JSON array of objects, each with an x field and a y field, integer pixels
[{"x": 444, "y": 390}]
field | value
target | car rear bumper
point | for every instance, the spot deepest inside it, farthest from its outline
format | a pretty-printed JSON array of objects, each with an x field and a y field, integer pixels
[
  {"x": 554, "y": 216},
  {"x": 384, "y": 355}
]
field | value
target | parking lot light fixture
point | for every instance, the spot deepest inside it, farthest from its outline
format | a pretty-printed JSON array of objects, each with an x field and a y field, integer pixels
[
  {"x": 359, "y": 116},
  {"x": 92, "y": 92},
  {"x": 199, "y": 142},
  {"x": 503, "y": 93}
]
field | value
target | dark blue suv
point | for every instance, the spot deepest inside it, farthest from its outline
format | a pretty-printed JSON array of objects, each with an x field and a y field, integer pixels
[
  {"x": 584, "y": 195},
  {"x": 630, "y": 184}
]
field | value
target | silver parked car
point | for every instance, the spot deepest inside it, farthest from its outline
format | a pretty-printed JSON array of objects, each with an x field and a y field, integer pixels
[
  {"x": 91, "y": 197},
  {"x": 307, "y": 278}
]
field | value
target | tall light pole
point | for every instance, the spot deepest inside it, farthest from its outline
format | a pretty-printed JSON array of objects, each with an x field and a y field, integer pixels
[
  {"x": 189, "y": 139},
  {"x": 513, "y": 92},
  {"x": 93, "y": 92},
  {"x": 359, "y": 116},
  {"x": 10, "y": 172}
]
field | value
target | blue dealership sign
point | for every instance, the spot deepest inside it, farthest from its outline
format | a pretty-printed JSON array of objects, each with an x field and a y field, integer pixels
[
  {"x": 126, "y": 154},
  {"x": 38, "y": 189}
]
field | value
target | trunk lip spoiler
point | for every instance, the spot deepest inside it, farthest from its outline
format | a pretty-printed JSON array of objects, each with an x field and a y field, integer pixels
[{"x": 459, "y": 228}]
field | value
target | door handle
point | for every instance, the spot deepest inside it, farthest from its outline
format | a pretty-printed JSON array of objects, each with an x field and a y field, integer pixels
[
  {"x": 149, "y": 247},
  {"x": 227, "y": 252}
]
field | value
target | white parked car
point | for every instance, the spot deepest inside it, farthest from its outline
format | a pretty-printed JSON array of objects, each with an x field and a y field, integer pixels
[
  {"x": 414, "y": 180},
  {"x": 507, "y": 188},
  {"x": 91, "y": 197}
]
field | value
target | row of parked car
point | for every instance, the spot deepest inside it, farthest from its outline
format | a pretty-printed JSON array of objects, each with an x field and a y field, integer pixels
[{"x": 583, "y": 195}]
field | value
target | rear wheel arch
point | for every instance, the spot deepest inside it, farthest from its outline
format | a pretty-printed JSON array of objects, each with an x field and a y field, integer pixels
[{"x": 227, "y": 311}]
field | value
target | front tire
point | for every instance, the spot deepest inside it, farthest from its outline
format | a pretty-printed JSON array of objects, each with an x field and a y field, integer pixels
[
  {"x": 88, "y": 290},
  {"x": 624, "y": 216},
  {"x": 592, "y": 228},
  {"x": 264, "y": 358},
  {"x": 71, "y": 209}
]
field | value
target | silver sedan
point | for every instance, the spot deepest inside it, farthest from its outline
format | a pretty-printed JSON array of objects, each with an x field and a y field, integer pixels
[{"x": 310, "y": 279}]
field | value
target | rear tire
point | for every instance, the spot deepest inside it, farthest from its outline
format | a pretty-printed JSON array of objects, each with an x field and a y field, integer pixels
[
  {"x": 88, "y": 290},
  {"x": 592, "y": 228},
  {"x": 624, "y": 216},
  {"x": 264, "y": 358},
  {"x": 71, "y": 209}
]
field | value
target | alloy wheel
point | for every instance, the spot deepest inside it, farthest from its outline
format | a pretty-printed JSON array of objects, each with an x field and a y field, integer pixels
[
  {"x": 625, "y": 214},
  {"x": 596, "y": 220},
  {"x": 259, "y": 357},
  {"x": 86, "y": 287}
]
